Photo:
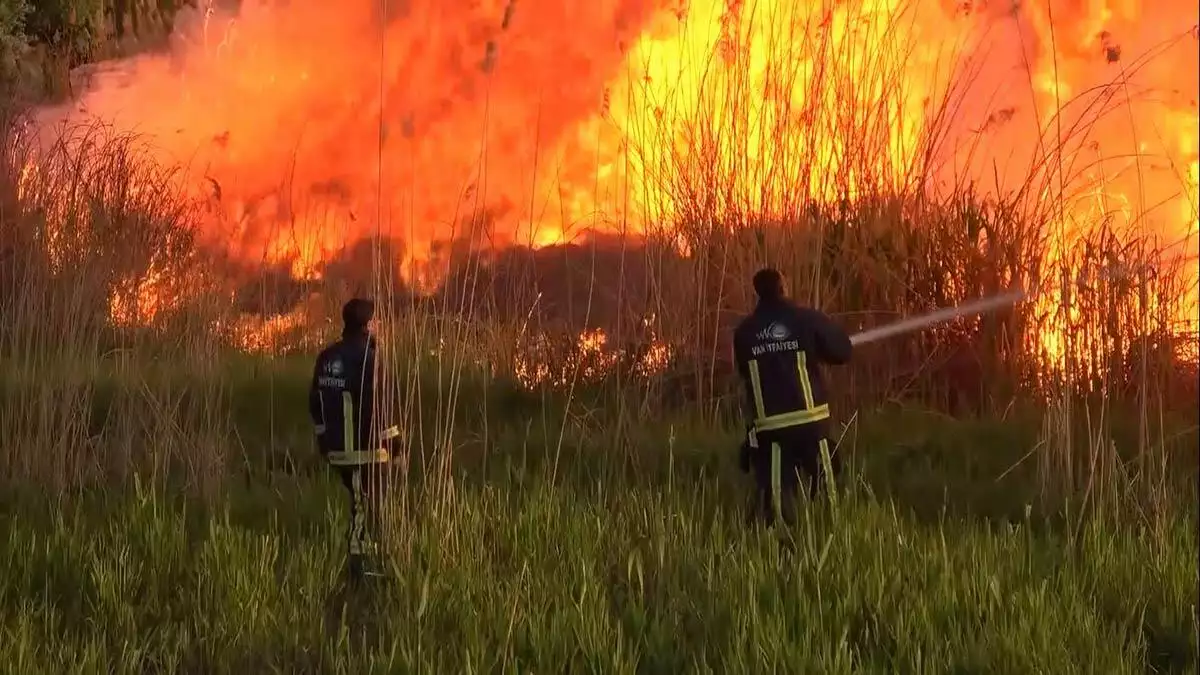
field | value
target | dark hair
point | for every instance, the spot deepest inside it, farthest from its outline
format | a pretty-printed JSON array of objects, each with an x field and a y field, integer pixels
[
  {"x": 768, "y": 284},
  {"x": 356, "y": 314}
]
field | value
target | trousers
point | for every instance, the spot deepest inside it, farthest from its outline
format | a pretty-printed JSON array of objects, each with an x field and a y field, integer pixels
[
  {"x": 783, "y": 460},
  {"x": 364, "y": 486}
]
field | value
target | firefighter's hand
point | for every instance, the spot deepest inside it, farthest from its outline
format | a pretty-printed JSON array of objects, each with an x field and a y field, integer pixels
[
  {"x": 390, "y": 441},
  {"x": 318, "y": 432}
]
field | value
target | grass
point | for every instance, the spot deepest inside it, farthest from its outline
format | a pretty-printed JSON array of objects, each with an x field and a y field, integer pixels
[
  {"x": 600, "y": 579},
  {"x": 632, "y": 558}
]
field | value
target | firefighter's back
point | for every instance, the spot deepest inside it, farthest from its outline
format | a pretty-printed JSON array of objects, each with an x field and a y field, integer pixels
[
  {"x": 344, "y": 385},
  {"x": 779, "y": 347}
]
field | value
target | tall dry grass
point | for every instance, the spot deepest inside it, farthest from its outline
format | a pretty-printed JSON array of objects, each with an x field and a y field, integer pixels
[{"x": 86, "y": 224}]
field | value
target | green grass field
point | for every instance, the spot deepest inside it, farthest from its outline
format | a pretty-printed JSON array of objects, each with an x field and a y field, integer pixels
[{"x": 605, "y": 553}]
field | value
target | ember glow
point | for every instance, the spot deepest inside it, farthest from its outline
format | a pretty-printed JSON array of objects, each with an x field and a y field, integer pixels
[
  {"x": 589, "y": 359},
  {"x": 313, "y": 124}
]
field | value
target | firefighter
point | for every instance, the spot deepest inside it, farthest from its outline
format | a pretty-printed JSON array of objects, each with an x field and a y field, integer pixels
[
  {"x": 341, "y": 402},
  {"x": 778, "y": 349}
]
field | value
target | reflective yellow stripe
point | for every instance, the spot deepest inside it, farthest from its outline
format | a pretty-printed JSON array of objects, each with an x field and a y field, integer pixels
[
  {"x": 348, "y": 425},
  {"x": 776, "y": 481},
  {"x": 825, "y": 463},
  {"x": 358, "y": 516},
  {"x": 378, "y": 456},
  {"x": 753, "y": 439},
  {"x": 756, "y": 387},
  {"x": 792, "y": 419},
  {"x": 810, "y": 414},
  {"x": 805, "y": 383}
]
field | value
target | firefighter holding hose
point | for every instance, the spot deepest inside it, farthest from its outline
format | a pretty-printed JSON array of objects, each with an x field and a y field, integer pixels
[
  {"x": 778, "y": 349},
  {"x": 341, "y": 402}
]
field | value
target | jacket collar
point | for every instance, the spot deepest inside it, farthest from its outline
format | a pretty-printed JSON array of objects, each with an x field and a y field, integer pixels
[
  {"x": 768, "y": 305},
  {"x": 359, "y": 336}
]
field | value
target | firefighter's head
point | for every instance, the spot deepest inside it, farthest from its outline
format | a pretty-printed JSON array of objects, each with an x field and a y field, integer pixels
[
  {"x": 768, "y": 285},
  {"x": 357, "y": 315}
]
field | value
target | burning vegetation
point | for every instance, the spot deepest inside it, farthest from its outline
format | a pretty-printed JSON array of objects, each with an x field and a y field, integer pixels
[{"x": 483, "y": 164}]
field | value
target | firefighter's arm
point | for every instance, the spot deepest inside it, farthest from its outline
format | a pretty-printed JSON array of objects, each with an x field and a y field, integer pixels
[
  {"x": 741, "y": 358},
  {"x": 740, "y": 361},
  {"x": 748, "y": 447},
  {"x": 832, "y": 341},
  {"x": 366, "y": 408},
  {"x": 316, "y": 411}
]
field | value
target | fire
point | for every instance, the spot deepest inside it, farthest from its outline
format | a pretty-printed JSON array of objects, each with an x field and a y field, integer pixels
[
  {"x": 1134, "y": 173},
  {"x": 787, "y": 67},
  {"x": 270, "y": 335},
  {"x": 312, "y": 125},
  {"x": 315, "y": 126},
  {"x": 135, "y": 304},
  {"x": 588, "y": 359}
]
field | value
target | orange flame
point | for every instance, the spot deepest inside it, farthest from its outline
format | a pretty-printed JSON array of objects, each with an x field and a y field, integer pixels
[{"x": 319, "y": 124}]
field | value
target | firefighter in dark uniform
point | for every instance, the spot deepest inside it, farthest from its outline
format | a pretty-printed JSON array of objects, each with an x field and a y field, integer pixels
[
  {"x": 341, "y": 402},
  {"x": 778, "y": 349}
]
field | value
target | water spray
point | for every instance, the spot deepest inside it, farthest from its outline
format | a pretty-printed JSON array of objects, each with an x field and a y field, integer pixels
[{"x": 938, "y": 316}]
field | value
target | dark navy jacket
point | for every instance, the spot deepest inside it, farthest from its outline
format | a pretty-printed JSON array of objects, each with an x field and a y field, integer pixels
[
  {"x": 778, "y": 349},
  {"x": 341, "y": 399}
]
